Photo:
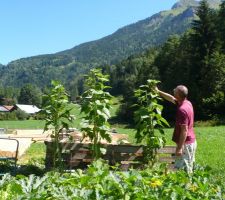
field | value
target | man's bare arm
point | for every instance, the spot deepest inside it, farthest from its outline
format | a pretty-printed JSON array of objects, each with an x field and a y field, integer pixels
[
  {"x": 166, "y": 96},
  {"x": 183, "y": 136}
]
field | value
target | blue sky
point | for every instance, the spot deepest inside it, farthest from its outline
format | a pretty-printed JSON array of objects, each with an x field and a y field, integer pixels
[{"x": 34, "y": 27}]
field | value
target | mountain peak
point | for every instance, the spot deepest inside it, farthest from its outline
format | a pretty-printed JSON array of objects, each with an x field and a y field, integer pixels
[
  {"x": 189, "y": 3},
  {"x": 185, "y": 4}
]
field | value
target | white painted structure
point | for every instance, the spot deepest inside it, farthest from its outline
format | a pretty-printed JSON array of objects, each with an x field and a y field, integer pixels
[{"x": 29, "y": 109}]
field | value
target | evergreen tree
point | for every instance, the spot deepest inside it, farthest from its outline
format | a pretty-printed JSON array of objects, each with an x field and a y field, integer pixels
[
  {"x": 204, "y": 34},
  {"x": 30, "y": 94},
  {"x": 221, "y": 25},
  {"x": 204, "y": 42},
  {"x": 214, "y": 104}
]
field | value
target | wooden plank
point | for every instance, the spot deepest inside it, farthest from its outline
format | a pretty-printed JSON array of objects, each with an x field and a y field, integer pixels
[
  {"x": 117, "y": 157},
  {"x": 75, "y": 146},
  {"x": 127, "y": 165},
  {"x": 166, "y": 159},
  {"x": 81, "y": 150},
  {"x": 125, "y": 148},
  {"x": 130, "y": 162},
  {"x": 81, "y": 156},
  {"x": 167, "y": 150},
  {"x": 88, "y": 160},
  {"x": 74, "y": 163}
]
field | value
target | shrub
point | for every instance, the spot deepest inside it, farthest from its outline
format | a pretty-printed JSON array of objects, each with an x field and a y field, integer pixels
[
  {"x": 21, "y": 115},
  {"x": 148, "y": 118},
  {"x": 8, "y": 116},
  {"x": 95, "y": 106},
  {"x": 57, "y": 115}
]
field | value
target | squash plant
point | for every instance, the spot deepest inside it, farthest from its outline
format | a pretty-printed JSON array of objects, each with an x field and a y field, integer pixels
[
  {"x": 100, "y": 182},
  {"x": 148, "y": 119},
  {"x": 95, "y": 104},
  {"x": 57, "y": 117}
]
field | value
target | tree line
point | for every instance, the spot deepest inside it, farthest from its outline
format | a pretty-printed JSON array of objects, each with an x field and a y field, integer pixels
[{"x": 195, "y": 59}]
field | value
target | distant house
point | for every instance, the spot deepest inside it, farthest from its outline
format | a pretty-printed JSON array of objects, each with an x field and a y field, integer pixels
[
  {"x": 3, "y": 109},
  {"x": 29, "y": 109},
  {"x": 10, "y": 108},
  {"x": 7, "y": 108}
]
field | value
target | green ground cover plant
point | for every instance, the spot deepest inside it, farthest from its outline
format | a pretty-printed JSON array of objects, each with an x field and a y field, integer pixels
[
  {"x": 98, "y": 182},
  {"x": 210, "y": 150}
]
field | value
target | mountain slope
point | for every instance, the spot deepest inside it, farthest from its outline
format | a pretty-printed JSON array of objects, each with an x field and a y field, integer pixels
[{"x": 132, "y": 39}]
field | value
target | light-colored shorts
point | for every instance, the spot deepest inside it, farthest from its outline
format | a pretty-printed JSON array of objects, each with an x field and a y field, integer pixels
[{"x": 186, "y": 161}]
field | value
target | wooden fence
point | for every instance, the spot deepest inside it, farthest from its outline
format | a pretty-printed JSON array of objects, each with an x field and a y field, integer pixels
[{"x": 79, "y": 155}]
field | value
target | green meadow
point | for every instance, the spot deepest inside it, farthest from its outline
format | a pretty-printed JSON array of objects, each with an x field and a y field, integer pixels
[{"x": 211, "y": 140}]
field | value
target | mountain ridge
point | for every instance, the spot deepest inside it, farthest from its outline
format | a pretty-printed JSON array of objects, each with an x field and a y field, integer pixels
[{"x": 129, "y": 40}]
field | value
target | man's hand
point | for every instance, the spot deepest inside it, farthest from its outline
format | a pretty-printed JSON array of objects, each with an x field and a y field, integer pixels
[
  {"x": 156, "y": 88},
  {"x": 179, "y": 152}
]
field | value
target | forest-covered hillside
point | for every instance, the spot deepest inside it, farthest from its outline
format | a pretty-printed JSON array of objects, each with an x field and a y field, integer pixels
[
  {"x": 195, "y": 58},
  {"x": 67, "y": 65}
]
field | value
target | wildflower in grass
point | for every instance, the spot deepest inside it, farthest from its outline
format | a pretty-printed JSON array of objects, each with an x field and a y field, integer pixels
[
  {"x": 156, "y": 183},
  {"x": 215, "y": 190},
  {"x": 193, "y": 188}
]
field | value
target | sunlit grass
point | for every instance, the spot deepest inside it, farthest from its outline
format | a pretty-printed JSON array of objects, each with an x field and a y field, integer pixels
[{"x": 211, "y": 140}]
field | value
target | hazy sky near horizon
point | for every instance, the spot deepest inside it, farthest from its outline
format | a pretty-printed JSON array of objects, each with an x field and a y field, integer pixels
[{"x": 34, "y": 27}]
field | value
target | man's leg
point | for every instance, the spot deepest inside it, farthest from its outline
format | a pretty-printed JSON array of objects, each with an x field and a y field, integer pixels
[{"x": 187, "y": 160}]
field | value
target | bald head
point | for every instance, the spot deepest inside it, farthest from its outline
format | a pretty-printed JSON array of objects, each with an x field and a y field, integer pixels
[{"x": 181, "y": 91}]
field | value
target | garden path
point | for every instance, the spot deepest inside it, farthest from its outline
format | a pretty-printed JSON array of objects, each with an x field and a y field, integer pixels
[{"x": 25, "y": 139}]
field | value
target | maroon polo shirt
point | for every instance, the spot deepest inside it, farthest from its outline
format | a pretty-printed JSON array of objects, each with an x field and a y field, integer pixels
[{"x": 184, "y": 116}]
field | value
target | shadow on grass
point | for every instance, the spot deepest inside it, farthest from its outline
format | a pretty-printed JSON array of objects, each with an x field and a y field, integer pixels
[
  {"x": 25, "y": 170},
  {"x": 115, "y": 121}
]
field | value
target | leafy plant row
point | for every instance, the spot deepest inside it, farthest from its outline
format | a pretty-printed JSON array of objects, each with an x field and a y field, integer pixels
[{"x": 99, "y": 182}]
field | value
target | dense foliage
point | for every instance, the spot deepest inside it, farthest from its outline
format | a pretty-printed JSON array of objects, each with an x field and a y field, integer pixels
[
  {"x": 148, "y": 118},
  {"x": 100, "y": 183},
  {"x": 31, "y": 95},
  {"x": 57, "y": 117},
  {"x": 66, "y": 66},
  {"x": 95, "y": 104},
  {"x": 196, "y": 60}
]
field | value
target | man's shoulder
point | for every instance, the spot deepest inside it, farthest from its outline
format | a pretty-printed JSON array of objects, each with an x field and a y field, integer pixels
[
  {"x": 186, "y": 104},
  {"x": 186, "y": 108}
]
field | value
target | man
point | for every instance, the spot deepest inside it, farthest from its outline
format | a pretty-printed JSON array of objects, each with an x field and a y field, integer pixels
[{"x": 183, "y": 135}]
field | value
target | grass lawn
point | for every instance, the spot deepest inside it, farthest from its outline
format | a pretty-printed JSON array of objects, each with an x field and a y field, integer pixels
[
  {"x": 36, "y": 153},
  {"x": 210, "y": 149},
  {"x": 39, "y": 124},
  {"x": 210, "y": 152},
  {"x": 23, "y": 124}
]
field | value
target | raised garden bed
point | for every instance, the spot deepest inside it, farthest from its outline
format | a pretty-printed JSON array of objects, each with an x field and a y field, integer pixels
[{"x": 79, "y": 155}]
